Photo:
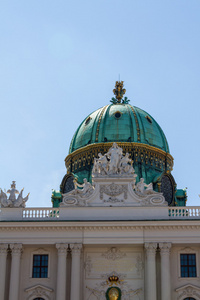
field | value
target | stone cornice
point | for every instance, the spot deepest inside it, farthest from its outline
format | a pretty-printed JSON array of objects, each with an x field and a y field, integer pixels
[{"x": 100, "y": 226}]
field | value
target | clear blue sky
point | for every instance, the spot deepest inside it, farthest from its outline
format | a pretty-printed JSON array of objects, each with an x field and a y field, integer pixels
[{"x": 59, "y": 61}]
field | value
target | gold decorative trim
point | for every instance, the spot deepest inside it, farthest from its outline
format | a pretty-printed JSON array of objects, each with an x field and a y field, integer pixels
[
  {"x": 149, "y": 119},
  {"x": 98, "y": 125},
  {"x": 137, "y": 124},
  {"x": 145, "y": 153}
]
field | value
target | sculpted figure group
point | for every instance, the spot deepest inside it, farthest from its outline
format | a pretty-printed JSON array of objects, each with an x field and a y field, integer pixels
[
  {"x": 12, "y": 201},
  {"x": 113, "y": 163}
]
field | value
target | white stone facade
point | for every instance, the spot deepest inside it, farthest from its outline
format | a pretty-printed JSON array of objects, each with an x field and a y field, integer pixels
[
  {"x": 109, "y": 234},
  {"x": 144, "y": 254}
]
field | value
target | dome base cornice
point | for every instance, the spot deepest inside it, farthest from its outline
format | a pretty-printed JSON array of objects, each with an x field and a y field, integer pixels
[{"x": 141, "y": 153}]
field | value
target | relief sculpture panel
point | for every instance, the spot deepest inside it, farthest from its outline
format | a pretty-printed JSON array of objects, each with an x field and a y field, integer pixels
[{"x": 113, "y": 259}]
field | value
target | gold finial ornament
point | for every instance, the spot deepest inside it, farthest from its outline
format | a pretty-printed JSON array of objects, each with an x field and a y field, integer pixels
[{"x": 119, "y": 91}]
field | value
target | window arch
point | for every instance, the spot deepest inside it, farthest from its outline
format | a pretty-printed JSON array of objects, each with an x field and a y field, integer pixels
[
  {"x": 189, "y": 298},
  {"x": 38, "y": 299}
]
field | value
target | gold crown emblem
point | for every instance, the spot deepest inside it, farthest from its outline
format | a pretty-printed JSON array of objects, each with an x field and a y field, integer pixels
[{"x": 113, "y": 280}]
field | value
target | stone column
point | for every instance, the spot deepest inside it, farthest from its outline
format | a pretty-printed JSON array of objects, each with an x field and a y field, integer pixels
[
  {"x": 3, "y": 257},
  {"x": 61, "y": 271},
  {"x": 75, "y": 273},
  {"x": 165, "y": 271},
  {"x": 150, "y": 289},
  {"x": 15, "y": 271}
]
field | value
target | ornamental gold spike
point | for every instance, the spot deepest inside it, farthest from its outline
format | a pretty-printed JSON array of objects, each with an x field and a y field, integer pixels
[{"x": 119, "y": 91}]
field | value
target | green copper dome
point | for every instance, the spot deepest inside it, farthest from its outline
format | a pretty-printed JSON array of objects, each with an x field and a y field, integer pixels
[
  {"x": 135, "y": 131},
  {"x": 119, "y": 123}
]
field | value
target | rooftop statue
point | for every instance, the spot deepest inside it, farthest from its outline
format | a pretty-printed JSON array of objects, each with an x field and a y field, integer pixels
[
  {"x": 84, "y": 190},
  {"x": 144, "y": 189},
  {"x": 79, "y": 194},
  {"x": 113, "y": 163},
  {"x": 12, "y": 201}
]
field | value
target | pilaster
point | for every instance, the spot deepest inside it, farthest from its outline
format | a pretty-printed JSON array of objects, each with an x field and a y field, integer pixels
[
  {"x": 150, "y": 290},
  {"x": 165, "y": 270},
  {"x": 3, "y": 257},
  {"x": 15, "y": 271},
  {"x": 61, "y": 271},
  {"x": 75, "y": 273}
]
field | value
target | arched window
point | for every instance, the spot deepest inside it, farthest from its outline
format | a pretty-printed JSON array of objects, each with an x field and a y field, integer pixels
[
  {"x": 189, "y": 298},
  {"x": 43, "y": 299}
]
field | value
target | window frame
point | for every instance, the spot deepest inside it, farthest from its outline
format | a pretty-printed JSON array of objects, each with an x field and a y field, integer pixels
[
  {"x": 39, "y": 252},
  {"x": 191, "y": 269},
  {"x": 188, "y": 250},
  {"x": 40, "y": 266}
]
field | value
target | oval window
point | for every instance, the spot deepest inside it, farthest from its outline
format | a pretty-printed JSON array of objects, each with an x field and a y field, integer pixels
[{"x": 118, "y": 115}]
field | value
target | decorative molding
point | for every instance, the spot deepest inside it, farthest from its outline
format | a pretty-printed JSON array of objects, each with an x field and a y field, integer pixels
[
  {"x": 39, "y": 291},
  {"x": 98, "y": 227},
  {"x": 126, "y": 294},
  {"x": 139, "y": 265},
  {"x": 16, "y": 249},
  {"x": 113, "y": 190},
  {"x": 165, "y": 248},
  {"x": 88, "y": 265},
  {"x": 113, "y": 253},
  {"x": 105, "y": 261},
  {"x": 40, "y": 251},
  {"x": 150, "y": 248},
  {"x": 76, "y": 249},
  {"x": 188, "y": 290},
  {"x": 187, "y": 250},
  {"x": 62, "y": 248},
  {"x": 113, "y": 273},
  {"x": 3, "y": 249}
]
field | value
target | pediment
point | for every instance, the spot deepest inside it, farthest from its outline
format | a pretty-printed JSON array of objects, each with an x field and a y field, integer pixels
[
  {"x": 39, "y": 291},
  {"x": 188, "y": 290}
]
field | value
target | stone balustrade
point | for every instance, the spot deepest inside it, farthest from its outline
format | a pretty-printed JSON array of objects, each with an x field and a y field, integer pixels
[
  {"x": 40, "y": 213},
  {"x": 184, "y": 212},
  {"x": 100, "y": 213}
]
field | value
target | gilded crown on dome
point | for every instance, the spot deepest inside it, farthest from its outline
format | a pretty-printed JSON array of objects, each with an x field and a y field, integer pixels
[{"x": 119, "y": 92}]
